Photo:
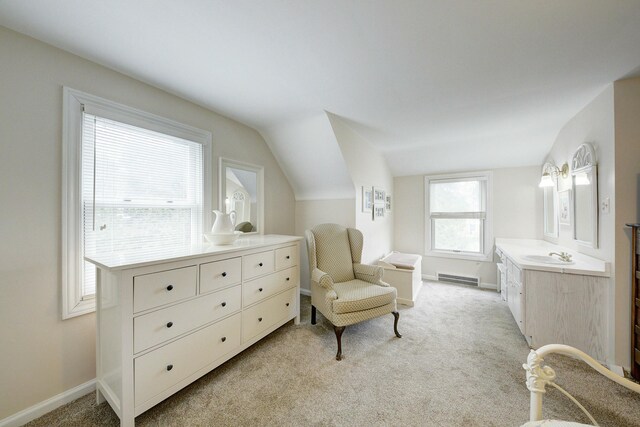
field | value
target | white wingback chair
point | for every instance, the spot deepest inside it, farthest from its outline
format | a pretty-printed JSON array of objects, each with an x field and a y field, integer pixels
[{"x": 344, "y": 290}]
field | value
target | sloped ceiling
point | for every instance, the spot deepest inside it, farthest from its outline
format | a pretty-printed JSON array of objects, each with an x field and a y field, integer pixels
[{"x": 435, "y": 85}]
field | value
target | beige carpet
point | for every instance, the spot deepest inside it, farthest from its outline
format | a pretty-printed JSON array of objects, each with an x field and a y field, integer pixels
[{"x": 458, "y": 364}]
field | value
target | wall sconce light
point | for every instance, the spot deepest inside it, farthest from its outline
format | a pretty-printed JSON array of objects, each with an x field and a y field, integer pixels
[{"x": 552, "y": 172}]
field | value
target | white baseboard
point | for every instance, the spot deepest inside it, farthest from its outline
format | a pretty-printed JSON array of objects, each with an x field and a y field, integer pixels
[
  {"x": 303, "y": 291},
  {"x": 431, "y": 278},
  {"x": 493, "y": 286},
  {"x": 48, "y": 405}
]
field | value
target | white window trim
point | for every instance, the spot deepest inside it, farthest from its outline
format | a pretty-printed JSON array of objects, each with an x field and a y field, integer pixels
[
  {"x": 487, "y": 235},
  {"x": 73, "y": 101}
]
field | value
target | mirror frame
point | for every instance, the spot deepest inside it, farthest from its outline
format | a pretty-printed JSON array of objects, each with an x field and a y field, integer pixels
[
  {"x": 225, "y": 163},
  {"x": 549, "y": 167},
  {"x": 584, "y": 161}
]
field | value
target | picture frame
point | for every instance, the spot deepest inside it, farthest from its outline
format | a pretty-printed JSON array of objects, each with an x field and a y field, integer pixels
[
  {"x": 378, "y": 195},
  {"x": 367, "y": 199},
  {"x": 387, "y": 204},
  {"x": 378, "y": 210},
  {"x": 564, "y": 207}
]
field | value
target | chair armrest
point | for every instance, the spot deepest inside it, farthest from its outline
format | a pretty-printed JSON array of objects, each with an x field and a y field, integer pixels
[
  {"x": 369, "y": 273},
  {"x": 322, "y": 279}
]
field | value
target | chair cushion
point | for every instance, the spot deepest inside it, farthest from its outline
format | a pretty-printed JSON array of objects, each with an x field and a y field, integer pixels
[
  {"x": 357, "y": 295},
  {"x": 333, "y": 252}
]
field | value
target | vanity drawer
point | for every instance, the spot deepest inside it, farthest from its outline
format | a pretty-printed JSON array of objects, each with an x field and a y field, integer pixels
[
  {"x": 160, "y": 369},
  {"x": 286, "y": 257},
  {"x": 264, "y": 287},
  {"x": 255, "y": 265},
  {"x": 162, "y": 325},
  {"x": 220, "y": 274},
  {"x": 261, "y": 317},
  {"x": 158, "y": 289}
]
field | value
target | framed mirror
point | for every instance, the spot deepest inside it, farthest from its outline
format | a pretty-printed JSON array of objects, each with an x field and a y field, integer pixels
[
  {"x": 584, "y": 177},
  {"x": 242, "y": 190},
  {"x": 550, "y": 205}
]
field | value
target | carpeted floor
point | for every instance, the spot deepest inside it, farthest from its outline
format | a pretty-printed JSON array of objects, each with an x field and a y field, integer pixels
[{"x": 459, "y": 363}]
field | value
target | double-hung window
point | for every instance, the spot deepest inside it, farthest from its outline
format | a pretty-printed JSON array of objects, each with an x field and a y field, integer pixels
[
  {"x": 458, "y": 215},
  {"x": 134, "y": 182}
]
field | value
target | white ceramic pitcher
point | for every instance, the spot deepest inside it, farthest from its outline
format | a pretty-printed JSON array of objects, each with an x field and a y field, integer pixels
[{"x": 224, "y": 223}]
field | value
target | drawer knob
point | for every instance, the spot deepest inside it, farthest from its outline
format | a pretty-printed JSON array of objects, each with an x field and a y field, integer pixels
[
  {"x": 170, "y": 287},
  {"x": 287, "y": 279},
  {"x": 287, "y": 304},
  {"x": 169, "y": 367},
  {"x": 223, "y": 303},
  {"x": 170, "y": 324},
  {"x": 259, "y": 319},
  {"x": 259, "y": 289},
  {"x": 260, "y": 265},
  {"x": 224, "y": 274},
  {"x": 224, "y": 339},
  {"x": 288, "y": 257}
]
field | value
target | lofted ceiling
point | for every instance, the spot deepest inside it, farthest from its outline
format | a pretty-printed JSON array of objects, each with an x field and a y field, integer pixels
[{"x": 434, "y": 85}]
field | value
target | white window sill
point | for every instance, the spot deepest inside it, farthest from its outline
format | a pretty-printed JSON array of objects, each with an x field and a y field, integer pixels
[{"x": 466, "y": 256}]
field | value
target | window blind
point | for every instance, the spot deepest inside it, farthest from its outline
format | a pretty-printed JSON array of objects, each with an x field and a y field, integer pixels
[{"x": 141, "y": 190}]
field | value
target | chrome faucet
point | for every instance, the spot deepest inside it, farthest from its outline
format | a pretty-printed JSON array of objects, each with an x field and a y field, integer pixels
[{"x": 564, "y": 256}]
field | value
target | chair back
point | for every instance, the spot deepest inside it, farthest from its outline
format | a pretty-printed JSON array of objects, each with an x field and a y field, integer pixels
[{"x": 330, "y": 251}]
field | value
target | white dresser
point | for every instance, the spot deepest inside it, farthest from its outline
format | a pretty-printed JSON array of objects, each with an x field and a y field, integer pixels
[{"x": 164, "y": 320}]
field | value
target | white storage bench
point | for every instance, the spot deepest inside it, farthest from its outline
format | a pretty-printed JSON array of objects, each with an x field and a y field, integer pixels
[{"x": 403, "y": 272}]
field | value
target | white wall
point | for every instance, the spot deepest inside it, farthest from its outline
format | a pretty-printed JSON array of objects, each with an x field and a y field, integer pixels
[
  {"x": 310, "y": 213},
  {"x": 595, "y": 124},
  {"x": 517, "y": 213},
  {"x": 367, "y": 167},
  {"x": 41, "y": 355},
  {"x": 627, "y": 206}
]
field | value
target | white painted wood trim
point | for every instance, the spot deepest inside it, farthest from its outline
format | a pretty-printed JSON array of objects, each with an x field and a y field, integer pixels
[
  {"x": 484, "y": 285},
  {"x": 306, "y": 292},
  {"x": 430, "y": 278},
  {"x": 39, "y": 409}
]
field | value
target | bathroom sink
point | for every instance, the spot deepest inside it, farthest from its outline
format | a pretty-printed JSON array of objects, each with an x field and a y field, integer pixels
[{"x": 546, "y": 259}]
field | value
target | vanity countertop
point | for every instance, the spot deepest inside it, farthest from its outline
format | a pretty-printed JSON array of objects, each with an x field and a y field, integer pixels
[
  {"x": 518, "y": 249},
  {"x": 123, "y": 260}
]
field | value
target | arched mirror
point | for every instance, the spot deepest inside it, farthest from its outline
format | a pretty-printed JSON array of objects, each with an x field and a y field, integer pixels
[
  {"x": 550, "y": 204},
  {"x": 242, "y": 191},
  {"x": 584, "y": 176}
]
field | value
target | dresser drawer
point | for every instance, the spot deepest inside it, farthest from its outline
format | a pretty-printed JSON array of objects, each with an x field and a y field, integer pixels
[
  {"x": 220, "y": 274},
  {"x": 286, "y": 257},
  {"x": 164, "y": 324},
  {"x": 264, "y": 287},
  {"x": 255, "y": 265},
  {"x": 261, "y": 317},
  {"x": 168, "y": 365},
  {"x": 157, "y": 289}
]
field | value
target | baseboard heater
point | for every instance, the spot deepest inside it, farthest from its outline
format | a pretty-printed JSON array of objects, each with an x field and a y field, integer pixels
[{"x": 457, "y": 279}]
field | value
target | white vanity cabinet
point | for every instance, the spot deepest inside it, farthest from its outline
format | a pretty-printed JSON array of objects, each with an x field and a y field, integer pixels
[
  {"x": 556, "y": 303},
  {"x": 515, "y": 294},
  {"x": 164, "y": 321}
]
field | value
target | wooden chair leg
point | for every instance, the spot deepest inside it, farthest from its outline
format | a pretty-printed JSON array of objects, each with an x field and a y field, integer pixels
[
  {"x": 395, "y": 323},
  {"x": 339, "y": 330},
  {"x": 313, "y": 315}
]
